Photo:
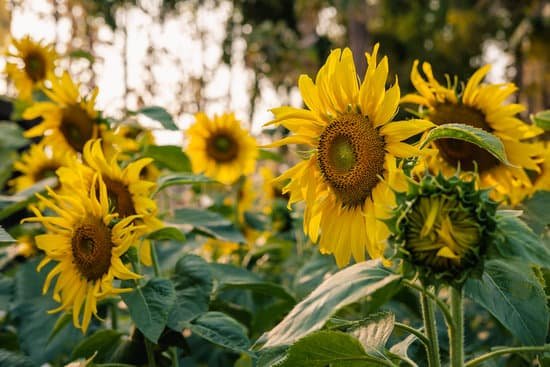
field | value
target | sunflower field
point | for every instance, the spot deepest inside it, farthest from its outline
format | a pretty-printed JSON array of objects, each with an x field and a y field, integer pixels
[{"x": 261, "y": 183}]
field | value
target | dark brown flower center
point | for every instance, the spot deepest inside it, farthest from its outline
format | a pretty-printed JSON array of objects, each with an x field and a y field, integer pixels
[
  {"x": 35, "y": 66},
  {"x": 120, "y": 198},
  {"x": 76, "y": 126},
  {"x": 222, "y": 147},
  {"x": 91, "y": 246},
  {"x": 46, "y": 171},
  {"x": 351, "y": 156},
  {"x": 456, "y": 151}
]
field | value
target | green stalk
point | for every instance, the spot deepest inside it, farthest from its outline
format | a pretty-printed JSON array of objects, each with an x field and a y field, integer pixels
[
  {"x": 150, "y": 353},
  {"x": 506, "y": 350},
  {"x": 409, "y": 329},
  {"x": 114, "y": 315},
  {"x": 430, "y": 329},
  {"x": 154, "y": 259},
  {"x": 174, "y": 353},
  {"x": 456, "y": 334}
]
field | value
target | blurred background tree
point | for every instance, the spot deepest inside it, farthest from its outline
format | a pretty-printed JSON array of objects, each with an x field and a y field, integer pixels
[{"x": 246, "y": 55}]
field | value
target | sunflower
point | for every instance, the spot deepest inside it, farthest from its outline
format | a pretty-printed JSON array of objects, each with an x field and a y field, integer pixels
[
  {"x": 39, "y": 162},
  {"x": 348, "y": 180},
  {"x": 29, "y": 64},
  {"x": 542, "y": 181},
  {"x": 69, "y": 120},
  {"x": 482, "y": 106},
  {"x": 127, "y": 193},
  {"x": 220, "y": 148},
  {"x": 86, "y": 247}
]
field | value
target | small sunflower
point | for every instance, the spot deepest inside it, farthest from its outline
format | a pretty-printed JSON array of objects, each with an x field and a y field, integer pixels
[
  {"x": 69, "y": 119},
  {"x": 29, "y": 64},
  {"x": 482, "y": 106},
  {"x": 542, "y": 181},
  {"x": 86, "y": 247},
  {"x": 127, "y": 193},
  {"x": 39, "y": 162},
  {"x": 348, "y": 180},
  {"x": 220, "y": 148},
  {"x": 217, "y": 249},
  {"x": 444, "y": 227}
]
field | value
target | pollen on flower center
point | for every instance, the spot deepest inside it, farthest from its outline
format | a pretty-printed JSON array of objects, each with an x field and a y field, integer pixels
[
  {"x": 35, "y": 67},
  {"x": 351, "y": 155},
  {"x": 120, "y": 198},
  {"x": 91, "y": 246},
  {"x": 76, "y": 126},
  {"x": 456, "y": 151},
  {"x": 222, "y": 147}
]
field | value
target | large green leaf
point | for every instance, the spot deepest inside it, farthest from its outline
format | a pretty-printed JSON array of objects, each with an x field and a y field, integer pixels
[
  {"x": 232, "y": 277},
  {"x": 11, "y": 136},
  {"x": 221, "y": 330},
  {"x": 167, "y": 233},
  {"x": 208, "y": 223},
  {"x": 366, "y": 279},
  {"x": 324, "y": 348},
  {"x": 159, "y": 114},
  {"x": 374, "y": 332},
  {"x": 193, "y": 284},
  {"x": 512, "y": 294},
  {"x": 104, "y": 342},
  {"x": 185, "y": 178},
  {"x": 6, "y": 292},
  {"x": 169, "y": 156},
  {"x": 5, "y": 236},
  {"x": 149, "y": 306},
  {"x": 471, "y": 134},
  {"x": 11, "y": 359},
  {"x": 536, "y": 212},
  {"x": 12, "y": 204},
  {"x": 518, "y": 240},
  {"x": 7, "y": 158},
  {"x": 542, "y": 119}
]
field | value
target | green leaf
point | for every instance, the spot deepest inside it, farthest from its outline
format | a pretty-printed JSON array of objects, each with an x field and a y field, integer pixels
[
  {"x": 368, "y": 279},
  {"x": 479, "y": 137},
  {"x": 12, "y": 204},
  {"x": 5, "y": 236},
  {"x": 221, "y": 330},
  {"x": 167, "y": 233},
  {"x": 208, "y": 223},
  {"x": 375, "y": 331},
  {"x": 169, "y": 156},
  {"x": 104, "y": 342},
  {"x": 324, "y": 348},
  {"x": 536, "y": 212},
  {"x": 158, "y": 114},
  {"x": 193, "y": 284},
  {"x": 542, "y": 119},
  {"x": 272, "y": 357},
  {"x": 511, "y": 293},
  {"x": 6, "y": 292},
  {"x": 186, "y": 178},
  {"x": 518, "y": 240},
  {"x": 269, "y": 155},
  {"x": 149, "y": 306},
  {"x": 11, "y": 136},
  {"x": 8, "y": 358},
  {"x": 7, "y": 158},
  {"x": 232, "y": 277},
  {"x": 82, "y": 54}
]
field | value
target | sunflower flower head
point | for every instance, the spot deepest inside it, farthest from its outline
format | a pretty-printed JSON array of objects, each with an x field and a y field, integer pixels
[
  {"x": 220, "y": 148},
  {"x": 29, "y": 64},
  {"x": 86, "y": 247},
  {"x": 69, "y": 119},
  {"x": 39, "y": 162},
  {"x": 443, "y": 227},
  {"x": 348, "y": 180},
  {"x": 481, "y": 106},
  {"x": 128, "y": 195}
]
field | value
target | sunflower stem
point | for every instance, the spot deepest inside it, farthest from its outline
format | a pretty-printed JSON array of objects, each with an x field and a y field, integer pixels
[
  {"x": 154, "y": 259},
  {"x": 150, "y": 353},
  {"x": 430, "y": 329},
  {"x": 506, "y": 350},
  {"x": 237, "y": 218},
  {"x": 456, "y": 334},
  {"x": 175, "y": 360},
  {"x": 114, "y": 315}
]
